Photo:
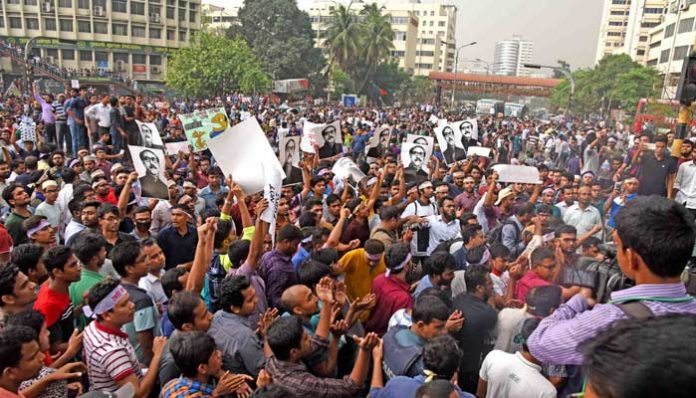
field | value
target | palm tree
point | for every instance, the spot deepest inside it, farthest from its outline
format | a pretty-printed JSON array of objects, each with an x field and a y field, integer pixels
[
  {"x": 376, "y": 41},
  {"x": 343, "y": 37}
]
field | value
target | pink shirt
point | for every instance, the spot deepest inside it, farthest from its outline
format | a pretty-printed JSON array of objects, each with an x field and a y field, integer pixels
[
  {"x": 529, "y": 281},
  {"x": 392, "y": 295}
]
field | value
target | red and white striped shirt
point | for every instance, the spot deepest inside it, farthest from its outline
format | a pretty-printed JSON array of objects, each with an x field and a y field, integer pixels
[{"x": 109, "y": 357}]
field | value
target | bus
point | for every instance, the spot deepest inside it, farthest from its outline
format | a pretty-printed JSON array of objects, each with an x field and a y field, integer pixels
[
  {"x": 484, "y": 106},
  {"x": 515, "y": 110}
]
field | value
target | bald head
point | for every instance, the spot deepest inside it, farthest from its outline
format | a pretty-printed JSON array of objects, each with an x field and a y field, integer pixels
[{"x": 295, "y": 296}]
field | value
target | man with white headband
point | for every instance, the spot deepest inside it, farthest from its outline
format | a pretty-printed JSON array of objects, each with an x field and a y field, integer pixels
[
  {"x": 40, "y": 231},
  {"x": 415, "y": 213},
  {"x": 391, "y": 288},
  {"x": 109, "y": 356}
]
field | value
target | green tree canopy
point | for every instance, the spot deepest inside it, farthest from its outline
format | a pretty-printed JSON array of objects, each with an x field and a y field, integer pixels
[
  {"x": 214, "y": 65},
  {"x": 281, "y": 37}
]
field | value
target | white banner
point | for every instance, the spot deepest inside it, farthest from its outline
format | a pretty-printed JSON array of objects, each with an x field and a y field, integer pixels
[
  {"x": 450, "y": 141},
  {"x": 149, "y": 135},
  {"x": 173, "y": 148},
  {"x": 243, "y": 151},
  {"x": 345, "y": 167},
  {"x": 478, "y": 150},
  {"x": 517, "y": 173}
]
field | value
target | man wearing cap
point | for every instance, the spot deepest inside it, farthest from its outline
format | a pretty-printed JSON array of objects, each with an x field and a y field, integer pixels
[
  {"x": 197, "y": 203},
  {"x": 49, "y": 208},
  {"x": 89, "y": 163},
  {"x": 547, "y": 198},
  {"x": 466, "y": 200},
  {"x": 151, "y": 183}
]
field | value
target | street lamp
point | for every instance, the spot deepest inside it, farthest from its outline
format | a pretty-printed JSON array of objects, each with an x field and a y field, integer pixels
[
  {"x": 456, "y": 66},
  {"x": 565, "y": 72}
]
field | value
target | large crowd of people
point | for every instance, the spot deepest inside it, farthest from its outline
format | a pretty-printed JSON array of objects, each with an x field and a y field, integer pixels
[{"x": 456, "y": 281}]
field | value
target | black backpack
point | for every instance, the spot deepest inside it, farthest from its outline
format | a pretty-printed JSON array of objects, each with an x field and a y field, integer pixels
[{"x": 495, "y": 235}]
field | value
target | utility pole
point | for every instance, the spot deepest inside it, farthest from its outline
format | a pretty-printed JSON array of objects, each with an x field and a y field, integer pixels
[
  {"x": 567, "y": 73},
  {"x": 456, "y": 66}
]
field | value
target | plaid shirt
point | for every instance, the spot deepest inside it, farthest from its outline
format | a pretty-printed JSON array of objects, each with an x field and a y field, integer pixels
[
  {"x": 296, "y": 379},
  {"x": 183, "y": 387}
]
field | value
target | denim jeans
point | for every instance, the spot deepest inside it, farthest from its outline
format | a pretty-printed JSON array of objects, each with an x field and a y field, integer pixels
[
  {"x": 116, "y": 140},
  {"x": 64, "y": 138},
  {"x": 77, "y": 133}
]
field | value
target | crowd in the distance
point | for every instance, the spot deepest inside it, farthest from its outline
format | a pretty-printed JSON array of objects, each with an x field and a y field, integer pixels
[{"x": 455, "y": 285}]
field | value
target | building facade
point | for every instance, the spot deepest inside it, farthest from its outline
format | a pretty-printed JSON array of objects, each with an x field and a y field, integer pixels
[
  {"x": 625, "y": 27},
  {"x": 511, "y": 55},
  {"x": 670, "y": 42},
  {"x": 424, "y": 33},
  {"x": 129, "y": 39},
  {"x": 218, "y": 16}
]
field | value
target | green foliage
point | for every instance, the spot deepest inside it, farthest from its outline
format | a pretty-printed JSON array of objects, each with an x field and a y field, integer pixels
[
  {"x": 280, "y": 36},
  {"x": 342, "y": 82},
  {"x": 616, "y": 81},
  {"x": 213, "y": 65},
  {"x": 418, "y": 89}
]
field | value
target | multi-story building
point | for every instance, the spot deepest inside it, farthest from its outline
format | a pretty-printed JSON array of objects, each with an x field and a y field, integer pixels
[
  {"x": 424, "y": 33},
  {"x": 511, "y": 55},
  {"x": 670, "y": 42},
  {"x": 220, "y": 15},
  {"x": 625, "y": 26},
  {"x": 128, "y": 38}
]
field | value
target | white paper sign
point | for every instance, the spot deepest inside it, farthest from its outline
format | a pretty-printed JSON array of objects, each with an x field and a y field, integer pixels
[
  {"x": 27, "y": 129},
  {"x": 325, "y": 136},
  {"x": 149, "y": 135},
  {"x": 173, "y": 148},
  {"x": 273, "y": 179},
  {"x": 74, "y": 83},
  {"x": 244, "y": 152},
  {"x": 479, "y": 151},
  {"x": 415, "y": 162},
  {"x": 517, "y": 173},
  {"x": 345, "y": 167},
  {"x": 433, "y": 119}
]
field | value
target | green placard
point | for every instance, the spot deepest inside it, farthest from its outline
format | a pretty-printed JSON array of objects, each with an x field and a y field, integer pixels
[{"x": 201, "y": 126}]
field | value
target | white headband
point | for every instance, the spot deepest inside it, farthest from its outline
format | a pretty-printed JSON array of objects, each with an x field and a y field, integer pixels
[{"x": 107, "y": 303}]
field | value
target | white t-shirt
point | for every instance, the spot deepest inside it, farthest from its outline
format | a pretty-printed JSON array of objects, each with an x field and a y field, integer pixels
[
  {"x": 512, "y": 376},
  {"x": 418, "y": 209}
]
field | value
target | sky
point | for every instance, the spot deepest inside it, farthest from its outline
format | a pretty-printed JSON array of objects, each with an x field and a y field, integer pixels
[{"x": 560, "y": 29}]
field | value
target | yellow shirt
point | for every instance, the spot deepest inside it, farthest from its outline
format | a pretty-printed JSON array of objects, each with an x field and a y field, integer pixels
[{"x": 358, "y": 274}]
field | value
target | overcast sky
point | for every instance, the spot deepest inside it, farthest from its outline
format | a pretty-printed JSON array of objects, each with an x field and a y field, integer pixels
[{"x": 560, "y": 29}]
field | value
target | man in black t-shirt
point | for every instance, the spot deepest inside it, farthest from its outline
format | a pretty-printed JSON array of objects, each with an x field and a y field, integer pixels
[{"x": 657, "y": 169}]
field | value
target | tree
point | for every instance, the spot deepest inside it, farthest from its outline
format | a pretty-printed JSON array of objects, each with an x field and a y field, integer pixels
[
  {"x": 214, "y": 65},
  {"x": 562, "y": 65},
  {"x": 343, "y": 37},
  {"x": 281, "y": 37},
  {"x": 417, "y": 89},
  {"x": 377, "y": 40},
  {"x": 615, "y": 81}
]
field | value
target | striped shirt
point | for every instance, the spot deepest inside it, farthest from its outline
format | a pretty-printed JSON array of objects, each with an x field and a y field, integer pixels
[
  {"x": 60, "y": 111},
  {"x": 557, "y": 338},
  {"x": 109, "y": 357}
]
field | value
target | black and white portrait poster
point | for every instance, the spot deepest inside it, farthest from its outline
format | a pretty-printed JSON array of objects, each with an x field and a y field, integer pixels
[
  {"x": 468, "y": 130},
  {"x": 425, "y": 141},
  {"x": 379, "y": 142},
  {"x": 149, "y": 135},
  {"x": 415, "y": 161},
  {"x": 450, "y": 142},
  {"x": 149, "y": 164},
  {"x": 346, "y": 168},
  {"x": 329, "y": 139},
  {"x": 290, "y": 159}
]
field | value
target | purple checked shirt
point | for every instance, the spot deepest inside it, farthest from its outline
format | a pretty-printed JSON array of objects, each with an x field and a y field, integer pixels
[
  {"x": 278, "y": 273},
  {"x": 557, "y": 338}
]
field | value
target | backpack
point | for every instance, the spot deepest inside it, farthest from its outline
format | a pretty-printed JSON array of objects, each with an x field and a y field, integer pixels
[
  {"x": 399, "y": 360},
  {"x": 495, "y": 235}
]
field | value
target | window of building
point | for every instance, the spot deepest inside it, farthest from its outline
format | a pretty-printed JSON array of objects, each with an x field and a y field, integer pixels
[
  {"x": 84, "y": 4},
  {"x": 182, "y": 35},
  {"x": 49, "y": 24},
  {"x": 441, "y": 24},
  {"x": 137, "y": 8},
  {"x": 192, "y": 16},
  {"x": 153, "y": 10},
  {"x": 430, "y": 32},
  {"x": 101, "y": 27},
  {"x": 400, "y": 36},
  {"x": 427, "y": 41},
  {"x": 139, "y": 59},
  {"x": 649, "y": 24},
  {"x": 686, "y": 25},
  {"x": 615, "y": 12},
  {"x": 398, "y": 53},
  {"x": 138, "y": 31},
  {"x": 680, "y": 53},
  {"x": 123, "y": 57},
  {"x": 15, "y": 23},
  {"x": 155, "y": 59},
  {"x": 68, "y": 54},
  {"x": 655, "y": 44},
  {"x": 170, "y": 13},
  {"x": 432, "y": 13},
  {"x": 425, "y": 53},
  {"x": 101, "y": 56},
  {"x": 640, "y": 52},
  {"x": 182, "y": 14},
  {"x": 12, "y": 1},
  {"x": 155, "y": 33},
  {"x": 432, "y": 23},
  {"x": 84, "y": 27},
  {"x": 30, "y": 2},
  {"x": 171, "y": 2},
  {"x": 66, "y": 25},
  {"x": 171, "y": 34},
  {"x": 119, "y": 29},
  {"x": 669, "y": 31},
  {"x": 119, "y": 6},
  {"x": 2, "y": 22},
  {"x": 620, "y": 1},
  {"x": 652, "y": 10},
  {"x": 85, "y": 55},
  {"x": 52, "y": 52},
  {"x": 65, "y": 3},
  {"x": 424, "y": 66},
  {"x": 32, "y": 23},
  {"x": 664, "y": 56},
  {"x": 182, "y": 4},
  {"x": 614, "y": 34},
  {"x": 643, "y": 38},
  {"x": 617, "y": 23}
]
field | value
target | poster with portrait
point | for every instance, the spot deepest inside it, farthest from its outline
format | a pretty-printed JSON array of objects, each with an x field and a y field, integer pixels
[
  {"x": 425, "y": 141},
  {"x": 450, "y": 141},
  {"x": 149, "y": 135},
  {"x": 243, "y": 151},
  {"x": 289, "y": 152},
  {"x": 379, "y": 142},
  {"x": 149, "y": 164},
  {"x": 468, "y": 131},
  {"x": 201, "y": 126},
  {"x": 415, "y": 161}
]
